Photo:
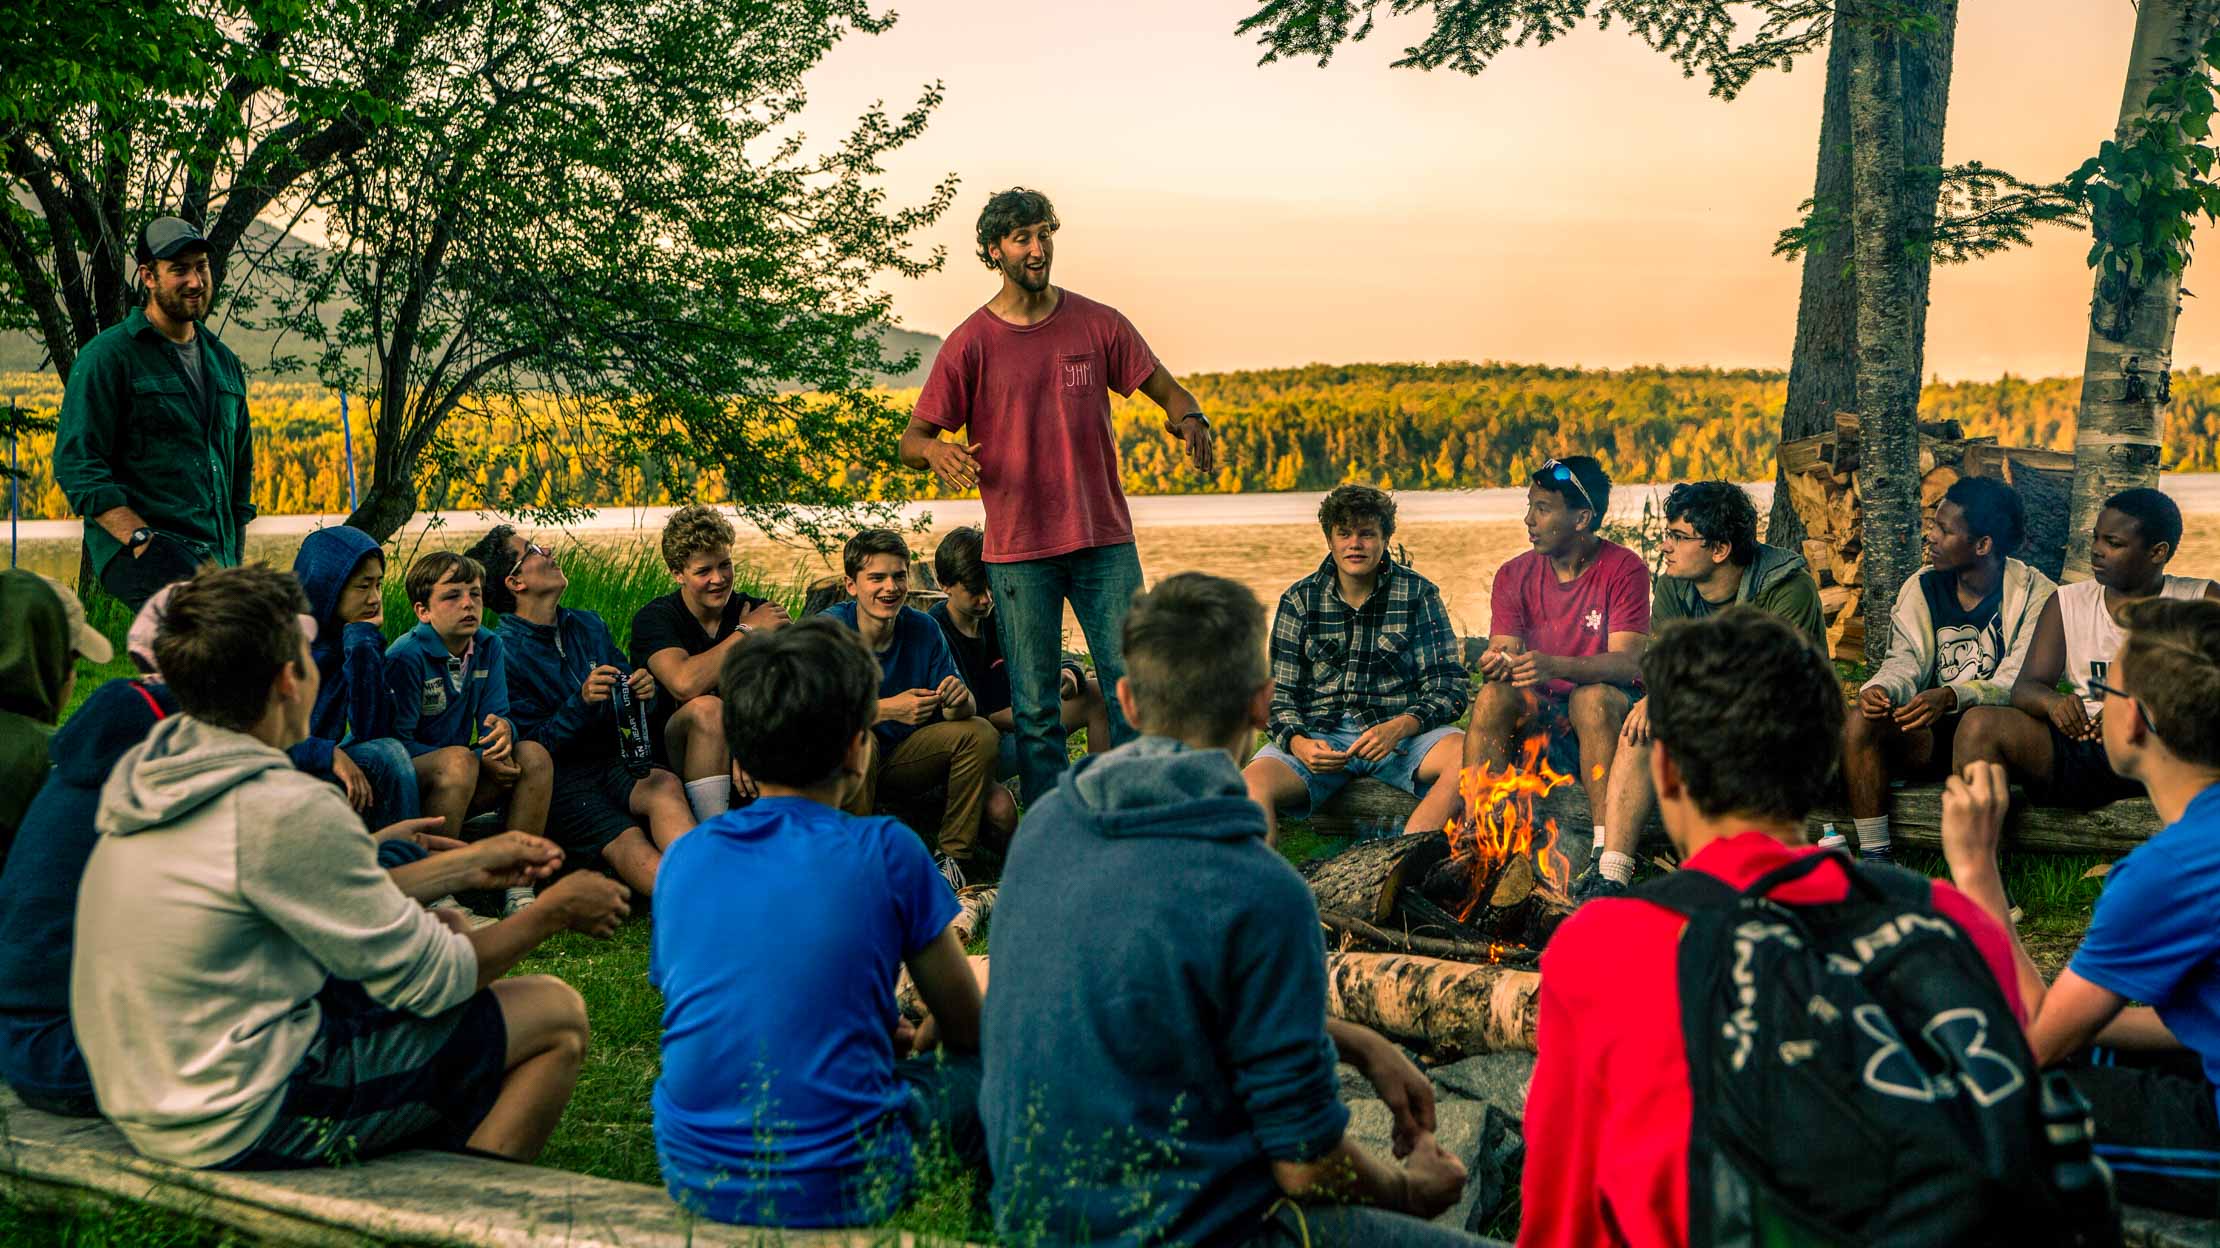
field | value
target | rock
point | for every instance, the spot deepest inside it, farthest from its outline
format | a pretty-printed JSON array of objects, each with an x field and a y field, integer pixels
[
  {"x": 1498, "y": 1079},
  {"x": 2153, "y": 1228}
]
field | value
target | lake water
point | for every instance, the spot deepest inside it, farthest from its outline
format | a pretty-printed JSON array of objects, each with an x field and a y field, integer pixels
[{"x": 1457, "y": 538}]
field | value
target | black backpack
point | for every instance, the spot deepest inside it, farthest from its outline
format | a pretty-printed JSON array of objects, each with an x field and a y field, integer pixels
[{"x": 1858, "y": 1077}]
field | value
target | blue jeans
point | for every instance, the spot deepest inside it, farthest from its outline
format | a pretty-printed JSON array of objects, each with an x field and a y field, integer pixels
[
  {"x": 392, "y": 775},
  {"x": 1399, "y": 768},
  {"x": 1029, "y": 599}
]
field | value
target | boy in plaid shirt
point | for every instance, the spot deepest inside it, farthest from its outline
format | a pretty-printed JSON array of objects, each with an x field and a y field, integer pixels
[{"x": 1365, "y": 669}]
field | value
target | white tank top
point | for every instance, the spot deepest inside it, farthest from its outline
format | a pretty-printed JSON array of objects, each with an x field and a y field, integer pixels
[{"x": 2093, "y": 637}]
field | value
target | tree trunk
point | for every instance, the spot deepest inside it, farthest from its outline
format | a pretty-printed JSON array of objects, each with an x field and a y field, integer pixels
[
  {"x": 1450, "y": 1009},
  {"x": 1888, "y": 367},
  {"x": 385, "y": 506},
  {"x": 2126, "y": 374},
  {"x": 1822, "y": 371}
]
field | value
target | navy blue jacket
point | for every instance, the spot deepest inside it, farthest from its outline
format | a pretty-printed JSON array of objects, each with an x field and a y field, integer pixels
[
  {"x": 350, "y": 659},
  {"x": 1108, "y": 1133},
  {"x": 438, "y": 704},
  {"x": 546, "y": 666},
  {"x": 38, "y": 887}
]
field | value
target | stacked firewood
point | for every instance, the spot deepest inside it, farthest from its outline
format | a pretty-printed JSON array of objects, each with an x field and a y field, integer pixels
[{"x": 1821, "y": 472}]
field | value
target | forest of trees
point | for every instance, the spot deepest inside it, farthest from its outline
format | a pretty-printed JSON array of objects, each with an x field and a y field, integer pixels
[{"x": 1399, "y": 425}]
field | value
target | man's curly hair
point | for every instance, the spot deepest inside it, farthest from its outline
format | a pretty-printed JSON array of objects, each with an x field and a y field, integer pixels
[{"x": 1013, "y": 209}]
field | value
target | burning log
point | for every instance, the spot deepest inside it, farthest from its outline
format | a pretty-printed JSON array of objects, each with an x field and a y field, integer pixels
[
  {"x": 1517, "y": 957},
  {"x": 1451, "y": 1009},
  {"x": 1367, "y": 880}
]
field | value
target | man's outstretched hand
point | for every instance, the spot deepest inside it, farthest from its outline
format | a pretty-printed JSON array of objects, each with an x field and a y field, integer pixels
[
  {"x": 511, "y": 860},
  {"x": 588, "y": 902}
]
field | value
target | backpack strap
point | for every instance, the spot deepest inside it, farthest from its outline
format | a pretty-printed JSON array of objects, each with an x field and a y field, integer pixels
[
  {"x": 1685, "y": 892},
  {"x": 152, "y": 704}
]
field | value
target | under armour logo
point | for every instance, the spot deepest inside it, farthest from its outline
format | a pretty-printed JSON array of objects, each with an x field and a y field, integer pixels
[{"x": 1594, "y": 621}]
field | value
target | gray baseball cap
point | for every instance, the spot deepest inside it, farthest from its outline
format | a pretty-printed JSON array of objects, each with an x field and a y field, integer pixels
[{"x": 164, "y": 237}]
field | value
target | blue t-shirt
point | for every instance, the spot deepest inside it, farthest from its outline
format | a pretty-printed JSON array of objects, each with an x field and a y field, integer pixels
[
  {"x": 779, "y": 930},
  {"x": 917, "y": 658},
  {"x": 2156, "y": 933}
]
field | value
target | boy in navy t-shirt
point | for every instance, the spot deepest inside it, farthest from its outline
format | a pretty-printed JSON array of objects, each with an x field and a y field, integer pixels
[
  {"x": 2156, "y": 934},
  {"x": 928, "y": 728},
  {"x": 788, "y": 1095}
]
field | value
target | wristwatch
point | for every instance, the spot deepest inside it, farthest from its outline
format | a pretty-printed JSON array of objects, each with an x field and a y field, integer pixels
[
  {"x": 139, "y": 537},
  {"x": 1197, "y": 416}
]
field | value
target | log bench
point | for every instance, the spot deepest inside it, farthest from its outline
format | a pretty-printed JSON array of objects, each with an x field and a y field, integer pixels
[
  {"x": 1916, "y": 818},
  {"x": 409, "y": 1198}
]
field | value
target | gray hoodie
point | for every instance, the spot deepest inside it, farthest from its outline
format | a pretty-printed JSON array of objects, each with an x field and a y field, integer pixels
[{"x": 225, "y": 888}]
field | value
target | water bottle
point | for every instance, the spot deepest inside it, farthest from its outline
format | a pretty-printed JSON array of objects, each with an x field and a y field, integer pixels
[
  {"x": 635, "y": 748},
  {"x": 2083, "y": 1180},
  {"x": 1831, "y": 839}
]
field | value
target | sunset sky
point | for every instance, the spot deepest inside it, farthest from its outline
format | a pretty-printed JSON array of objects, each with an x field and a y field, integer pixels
[{"x": 1580, "y": 203}]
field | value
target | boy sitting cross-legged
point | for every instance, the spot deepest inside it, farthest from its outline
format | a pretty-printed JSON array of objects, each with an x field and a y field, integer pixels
[
  {"x": 1160, "y": 1067},
  {"x": 251, "y": 991},
  {"x": 787, "y": 1095},
  {"x": 563, "y": 668},
  {"x": 450, "y": 695},
  {"x": 928, "y": 728}
]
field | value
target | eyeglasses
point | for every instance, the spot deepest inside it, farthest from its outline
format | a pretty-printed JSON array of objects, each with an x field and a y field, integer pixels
[
  {"x": 534, "y": 548},
  {"x": 2105, "y": 692},
  {"x": 1557, "y": 471},
  {"x": 1676, "y": 537}
]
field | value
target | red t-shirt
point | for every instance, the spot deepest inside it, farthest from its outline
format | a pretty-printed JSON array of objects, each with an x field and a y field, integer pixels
[
  {"x": 1574, "y": 620},
  {"x": 1607, "y": 1117},
  {"x": 1036, "y": 399}
]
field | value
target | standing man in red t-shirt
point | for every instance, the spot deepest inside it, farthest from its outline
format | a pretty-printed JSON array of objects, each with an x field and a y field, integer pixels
[
  {"x": 1568, "y": 620},
  {"x": 1027, "y": 378},
  {"x": 1746, "y": 720}
]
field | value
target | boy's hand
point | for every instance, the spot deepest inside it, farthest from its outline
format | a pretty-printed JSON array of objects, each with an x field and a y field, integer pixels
[
  {"x": 1926, "y": 707},
  {"x": 1408, "y": 1094},
  {"x": 453, "y": 919},
  {"x": 2071, "y": 719},
  {"x": 643, "y": 684},
  {"x": 1435, "y": 1180},
  {"x": 918, "y": 706},
  {"x": 587, "y": 902},
  {"x": 951, "y": 692},
  {"x": 411, "y": 830},
  {"x": 1636, "y": 729},
  {"x": 954, "y": 462},
  {"x": 352, "y": 780},
  {"x": 1495, "y": 664},
  {"x": 600, "y": 683},
  {"x": 1973, "y": 809},
  {"x": 512, "y": 860},
  {"x": 1874, "y": 702},
  {"x": 1196, "y": 436},
  {"x": 1380, "y": 740},
  {"x": 1529, "y": 668},
  {"x": 1317, "y": 755},
  {"x": 766, "y": 617},
  {"x": 498, "y": 741}
]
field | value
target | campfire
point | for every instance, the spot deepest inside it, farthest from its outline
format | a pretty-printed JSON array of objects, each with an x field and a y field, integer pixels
[{"x": 1437, "y": 935}]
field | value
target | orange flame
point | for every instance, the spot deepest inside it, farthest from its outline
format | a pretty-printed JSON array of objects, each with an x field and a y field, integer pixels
[{"x": 1498, "y": 820}]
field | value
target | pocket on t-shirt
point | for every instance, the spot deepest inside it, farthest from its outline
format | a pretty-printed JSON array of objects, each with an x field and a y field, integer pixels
[{"x": 1079, "y": 384}]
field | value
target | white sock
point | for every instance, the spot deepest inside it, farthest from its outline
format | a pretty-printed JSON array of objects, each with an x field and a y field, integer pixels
[
  {"x": 1616, "y": 866},
  {"x": 709, "y": 797},
  {"x": 1873, "y": 834}
]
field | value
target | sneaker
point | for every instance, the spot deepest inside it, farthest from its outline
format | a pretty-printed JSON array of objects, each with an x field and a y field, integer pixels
[
  {"x": 951, "y": 870},
  {"x": 1594, "y": 883},
  {"x": 517, "y": 899},
  {"x": 446, "y": 903}
]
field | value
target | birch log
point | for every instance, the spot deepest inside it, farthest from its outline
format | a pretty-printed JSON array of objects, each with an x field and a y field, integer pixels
[{"x": 1450, "y": 1009}]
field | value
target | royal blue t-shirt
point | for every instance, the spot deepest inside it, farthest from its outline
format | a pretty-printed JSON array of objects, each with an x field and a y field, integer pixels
[
  {"x": 2156, "y": 933},
  {"x": 917, "y": 658},
  {"x": 779, "y": 930}
]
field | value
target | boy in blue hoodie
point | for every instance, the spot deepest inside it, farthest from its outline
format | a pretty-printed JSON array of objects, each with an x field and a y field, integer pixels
[
  {"x": 449, "y": 692},
  {"x": 350, "y": 733},
  {"x": 563, "y": 669},
  {"x": 1159, "y": 1064}
]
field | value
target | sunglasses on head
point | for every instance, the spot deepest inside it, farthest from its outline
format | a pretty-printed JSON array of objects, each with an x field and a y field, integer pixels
[{"x": 1556, "y": 470}]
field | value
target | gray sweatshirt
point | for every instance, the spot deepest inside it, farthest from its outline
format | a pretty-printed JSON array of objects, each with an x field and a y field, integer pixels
[{"x": 225, "y": 887}]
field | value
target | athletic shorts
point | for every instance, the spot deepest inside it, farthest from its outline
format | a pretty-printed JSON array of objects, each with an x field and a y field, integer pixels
[
  {"x": 1553, "y": 716},
  {"x": 2081, "y": 777},
  {"x": 591, "y": 806},
  {"x": 377, "y": 1081}
]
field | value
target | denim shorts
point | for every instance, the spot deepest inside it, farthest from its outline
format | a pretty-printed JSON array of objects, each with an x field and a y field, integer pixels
[{"x": 1399, "y": 768}]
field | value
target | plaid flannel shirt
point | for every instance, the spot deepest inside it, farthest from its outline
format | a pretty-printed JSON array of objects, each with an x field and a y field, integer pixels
[{"x": 1395, "y": 654}]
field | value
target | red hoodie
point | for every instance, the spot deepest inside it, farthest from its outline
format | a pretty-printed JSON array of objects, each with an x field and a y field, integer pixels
[{"x": 1607, "y": 1118}]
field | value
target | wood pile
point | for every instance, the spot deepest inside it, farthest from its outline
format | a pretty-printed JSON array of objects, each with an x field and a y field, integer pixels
[{"x": 1821, "y": 472}]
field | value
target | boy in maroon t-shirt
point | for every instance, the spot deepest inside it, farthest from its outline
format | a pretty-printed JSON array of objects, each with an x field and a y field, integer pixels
[
  {"x": 1747, "y": 722},
  {"x": 1568, "y": 620},
  {"x": 1027, "y": 380}
]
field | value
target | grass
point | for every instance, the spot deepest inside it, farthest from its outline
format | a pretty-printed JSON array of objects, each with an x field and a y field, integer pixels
[{"x": 607, "y": 1130}]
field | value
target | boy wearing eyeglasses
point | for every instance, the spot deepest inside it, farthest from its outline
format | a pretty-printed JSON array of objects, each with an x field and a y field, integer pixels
[
  {"x": 450, "y": 689},
  {"x": 563, "y": 670},
  {"x": 2153, "y": 937},
  {"x": 1712, "y": 561},
  {"x": 1568, "y": 621},
  {"x": 2049, "y": 740}
]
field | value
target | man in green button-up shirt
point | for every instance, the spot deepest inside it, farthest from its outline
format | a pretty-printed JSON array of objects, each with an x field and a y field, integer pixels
[{"x": 155, "y": 449}]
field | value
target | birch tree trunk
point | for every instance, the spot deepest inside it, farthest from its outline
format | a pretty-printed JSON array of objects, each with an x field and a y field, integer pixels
[
  {"x": 1823, "y": 368},
  {"x": 1888, "y": 367},
  {"x": 2126, "y": 374}
]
